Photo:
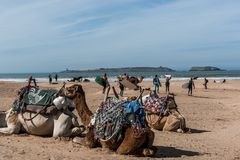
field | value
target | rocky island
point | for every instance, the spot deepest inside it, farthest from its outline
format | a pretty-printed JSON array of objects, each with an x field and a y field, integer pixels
[
  {"x": 126, "y": 69},
  {"x": 205, "y": 68}
]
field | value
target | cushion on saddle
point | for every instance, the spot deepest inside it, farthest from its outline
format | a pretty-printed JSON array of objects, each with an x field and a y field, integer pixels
[{"x": 37, "y": 96}]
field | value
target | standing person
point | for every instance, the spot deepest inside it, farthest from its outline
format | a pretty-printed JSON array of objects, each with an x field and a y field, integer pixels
[
  {"x": 56, "y": 77},
  {"x": 156, "y": 83},
  {"x": 105, "y": 82},
  {"x": 50, "y": 78},
  {"x": 31, "y": 79},
  {"x": 205, "y": 82},
  {"x": 167, "y": 84},
  {"x": 190, "y": 86},
  {"x": 121, "y": 87}
]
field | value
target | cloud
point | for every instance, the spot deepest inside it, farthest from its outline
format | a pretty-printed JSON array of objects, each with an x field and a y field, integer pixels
[{"x": 89, "y": 34}]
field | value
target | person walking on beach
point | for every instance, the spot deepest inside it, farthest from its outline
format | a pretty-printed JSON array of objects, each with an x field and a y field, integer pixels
[
  {"x": 105, "y": 82},
  {"x": 121, "y": 87},
  {"x": 167, "y": 84},
  {"x": 205, "y": 82},
  {"x": 191, "y": 85},
  {"x": 30, "y": 80},
  {"x": 50, "y": 78},
  {"x": 56, "y": 77},
  {"x": 157, "y": 84}
]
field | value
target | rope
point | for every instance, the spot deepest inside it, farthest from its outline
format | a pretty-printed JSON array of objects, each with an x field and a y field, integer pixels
[{"x": 29, "y": 119}]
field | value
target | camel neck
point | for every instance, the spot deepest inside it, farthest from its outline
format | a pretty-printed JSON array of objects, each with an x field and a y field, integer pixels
[{"x": 83, "y": 111}]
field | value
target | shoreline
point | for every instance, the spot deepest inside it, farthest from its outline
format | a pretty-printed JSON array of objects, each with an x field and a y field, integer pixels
[{"x": 111, "y": 79}]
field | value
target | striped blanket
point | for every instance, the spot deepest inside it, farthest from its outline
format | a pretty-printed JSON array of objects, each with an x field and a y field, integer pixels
[{"x": 112, "y": 116}]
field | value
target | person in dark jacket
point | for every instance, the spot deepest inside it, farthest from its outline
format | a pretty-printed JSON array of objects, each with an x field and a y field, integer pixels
[
  {"x": 205, "y": 83},
  {"x": 167, "y": 84},
  {"x": 156, "y": 83},
  {"x": 191, "y": 85}
]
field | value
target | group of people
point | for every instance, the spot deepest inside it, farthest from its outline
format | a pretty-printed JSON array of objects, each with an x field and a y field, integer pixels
[
  {"x": 157, "y": 84},
  {"x": 105, "y": 83},
  {"x": 191, "y": 85},
  {"x": 50, "y": 78}
]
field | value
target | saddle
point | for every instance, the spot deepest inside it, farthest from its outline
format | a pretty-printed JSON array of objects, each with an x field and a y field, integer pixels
[{"x": 37, "y": 100}]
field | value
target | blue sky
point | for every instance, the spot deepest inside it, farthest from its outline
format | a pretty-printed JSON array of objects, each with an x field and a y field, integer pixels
[{"x": 52, "y": 35}]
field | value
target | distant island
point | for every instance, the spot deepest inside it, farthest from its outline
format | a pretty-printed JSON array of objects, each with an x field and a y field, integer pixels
[
  {"x": 205, "y": 68},
  {"x": 126, "y": 69}
]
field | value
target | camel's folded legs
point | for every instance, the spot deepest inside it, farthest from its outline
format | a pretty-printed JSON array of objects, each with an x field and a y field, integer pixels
[
  {"x": 11, "y": 129},
  {"x": 73, "y": 116}
]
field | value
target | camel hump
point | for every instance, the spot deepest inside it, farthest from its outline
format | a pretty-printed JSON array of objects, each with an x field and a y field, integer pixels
[{"x": 129, "y": 85}]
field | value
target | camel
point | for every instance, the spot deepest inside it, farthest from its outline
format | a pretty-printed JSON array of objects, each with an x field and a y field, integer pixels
[
  {"x": 60, "y": 124},
  {"x": 78, "y": 79},
  {"x": 135, "y": 80},
  {"x": 132, "y": 79},
  {"x": 170, "y": 120},
  {"x": 130, "y": 143}
]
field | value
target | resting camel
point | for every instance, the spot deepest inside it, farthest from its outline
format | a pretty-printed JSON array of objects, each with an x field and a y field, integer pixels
[
  {"x": 170, "y": 120},
  {"x": 78, "y": 79},
  {"x": 129, "y": 143},
  {"x": 60, "y": 124},
  {"x": 135, "y": 80}
]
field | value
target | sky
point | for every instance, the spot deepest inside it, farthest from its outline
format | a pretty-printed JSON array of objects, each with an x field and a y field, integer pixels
[{"x": 52, "y": 35}]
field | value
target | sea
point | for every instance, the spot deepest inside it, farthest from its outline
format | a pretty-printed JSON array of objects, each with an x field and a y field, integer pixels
[{"x": 112, "y": 76}]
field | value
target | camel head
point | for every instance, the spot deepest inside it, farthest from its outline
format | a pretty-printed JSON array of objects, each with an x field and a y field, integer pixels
[
  {"x": 171, "y": 104},
  {"x": 74, "y": 91}
]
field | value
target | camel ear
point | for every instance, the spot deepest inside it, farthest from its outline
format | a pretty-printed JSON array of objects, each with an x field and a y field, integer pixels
[{"x": 76, "y": 88}]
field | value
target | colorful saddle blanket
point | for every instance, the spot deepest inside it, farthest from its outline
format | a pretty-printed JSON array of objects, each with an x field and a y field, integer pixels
[
  {"x": 155, "y": 104},
  {"x": 113, "y": 115},
  {"x": 109, "y": 118}
]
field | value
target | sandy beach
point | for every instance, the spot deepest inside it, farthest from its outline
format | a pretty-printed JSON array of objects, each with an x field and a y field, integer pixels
[{"x": 213, "y": 116}]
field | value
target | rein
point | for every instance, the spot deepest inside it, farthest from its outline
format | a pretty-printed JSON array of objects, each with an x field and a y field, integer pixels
[{"x": 29, "y": 119}]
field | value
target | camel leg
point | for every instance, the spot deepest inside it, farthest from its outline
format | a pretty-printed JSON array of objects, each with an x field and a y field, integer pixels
[
  {"x": 148, "y": 149},
  {"x": 10, "y": 130},
  {"x": 182, "y": 122},
  {"x": 63, "y": 127},
  {"x": 13, "y": 125},
  {"x": 73, "y": 116},
  {"x": 141, "y": 146},
  {"x": 115, "y": 93},
  {"x": 150, "y": 137},
  {"x": 88, "y": 140},
  {"x": 75, "y": 132},
  {"x": 106, "y": 94},
  {"x": 130, "y": 143},
  {"x": 172, "y": 123}
]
